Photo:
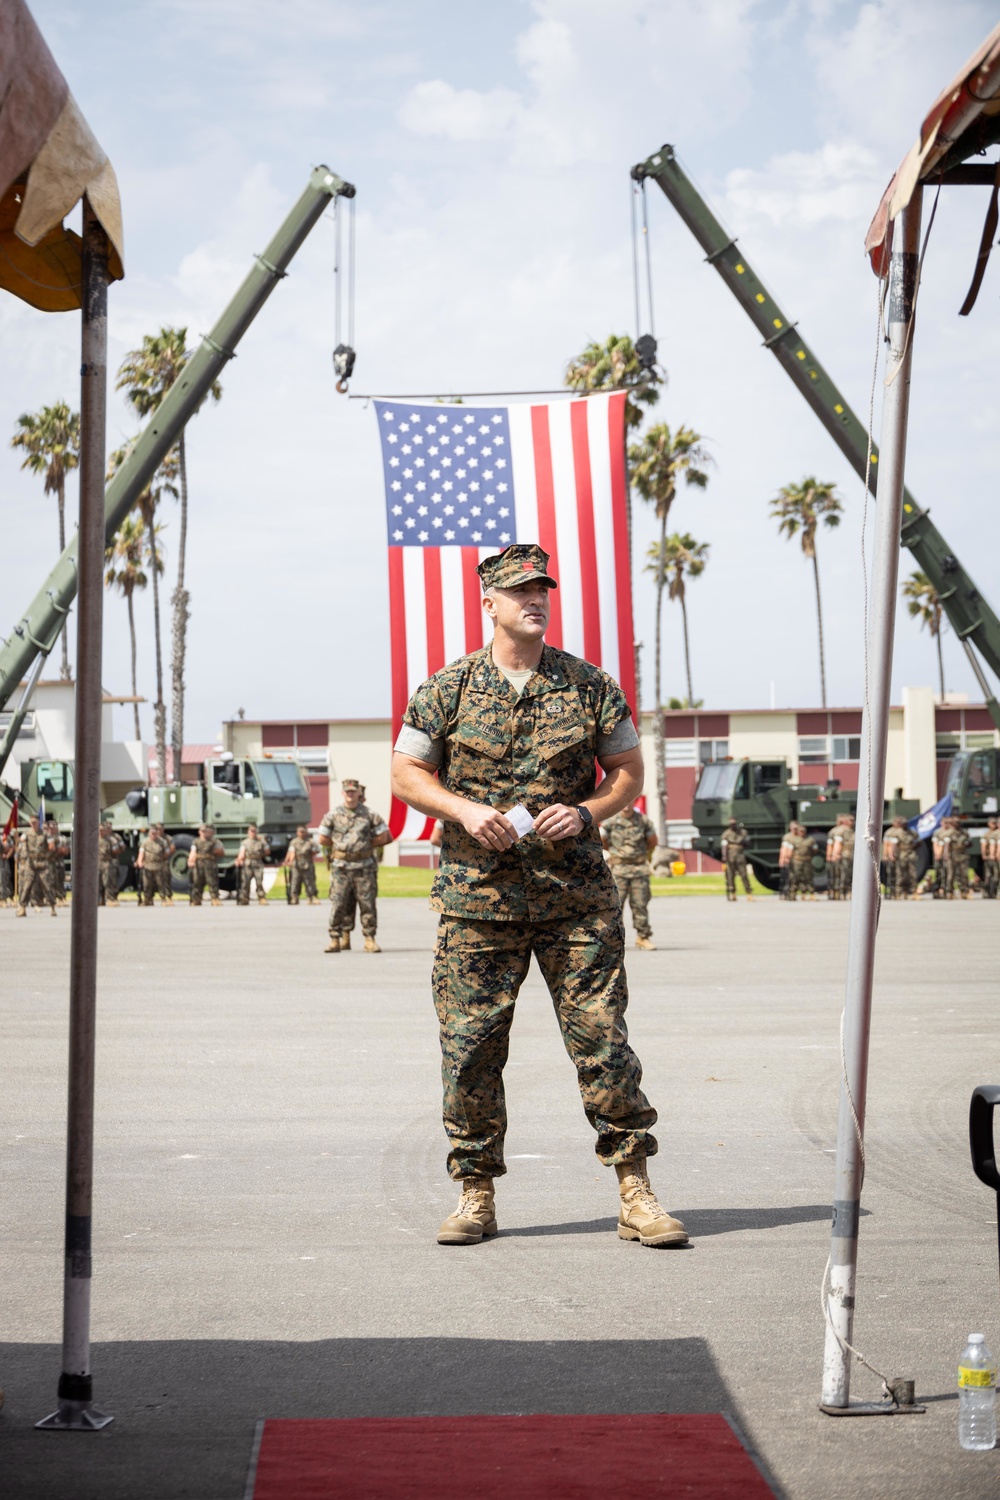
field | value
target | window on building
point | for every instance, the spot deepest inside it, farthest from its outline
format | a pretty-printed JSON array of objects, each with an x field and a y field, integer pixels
[
  {"x": 681, "y": 752},
  {"x": 946, "y": 745},
  {"x": 846, "y": 747},
  {"x": 709, "y": 750},
  {"x": 814, "y": 750},
  {"x": 27, "y": 726},
  {"x": 978, "y": 739}
]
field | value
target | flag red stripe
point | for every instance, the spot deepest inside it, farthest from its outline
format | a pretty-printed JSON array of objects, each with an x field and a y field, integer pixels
[
  {"x": 472, "y": 596},
  {"x": 400, "y": 695},
  {"x": 546, "y": 494},
  {"x": 623, "y": 562},
  {"x": 585, "y": 527},
  {"x": 433, "y": 610}
]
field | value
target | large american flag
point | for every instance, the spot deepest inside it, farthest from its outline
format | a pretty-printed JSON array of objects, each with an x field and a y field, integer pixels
[{"x": 462, "y": 482}]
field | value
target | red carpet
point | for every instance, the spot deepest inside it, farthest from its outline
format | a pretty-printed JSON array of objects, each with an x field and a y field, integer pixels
[{"x": 506, "y": 1458}]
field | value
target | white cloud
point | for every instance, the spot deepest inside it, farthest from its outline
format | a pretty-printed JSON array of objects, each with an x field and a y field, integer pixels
[
  {"x": 800, "y": 189},
  {"x": 436, "y": 108}
]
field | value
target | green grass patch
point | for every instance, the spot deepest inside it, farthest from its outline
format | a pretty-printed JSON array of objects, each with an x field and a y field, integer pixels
[{"x": 406, "y": 880}]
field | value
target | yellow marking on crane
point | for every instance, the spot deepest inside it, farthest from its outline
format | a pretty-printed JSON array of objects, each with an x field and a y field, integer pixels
[
  {"x": 739, "y": 269},
  {"x": 813, "y": 375},
  {"x": 801, "y": 354},
  {"x": 907, "y": 507},
  {"x": 760, "y": 296},
  {"x": 874, "y": 458},
  {"x": 838, "y": 409},
  {"x": 778, "y": 323}
]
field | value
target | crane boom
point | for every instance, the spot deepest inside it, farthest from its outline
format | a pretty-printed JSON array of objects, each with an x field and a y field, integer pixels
[
  {"x": 968, "y": 612},
  {"x": 38, "y": 627}
]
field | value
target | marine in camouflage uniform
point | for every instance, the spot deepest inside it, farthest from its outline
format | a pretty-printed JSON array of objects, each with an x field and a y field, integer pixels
[
  {"x": 109, "y": 846},
  {"x": 845, "y": 841},
  {"x": 352, "y": 833},
  {"x": 500, "y": 736},
  {"x": 7, "y": 846},
  {"x": 735, "y": 842},
  {"x": 630, "y": 838},
  {"x": 154, "y": 862},
  {"x": 35, "y": 877},
  {"x": 203, "y": 862},
  {"x": 250, "y": 860},
  {"x": 58, "y": 852},
  {"x": 958, "y": 851},
  {"x": 300, "y": 862},
  {"x": 988, "y": 853},
  {"x": 802, "y": 881},
  {"x": 899, "y": 850}
]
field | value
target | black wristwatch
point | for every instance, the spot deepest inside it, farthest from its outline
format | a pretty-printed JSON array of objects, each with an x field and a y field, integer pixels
[{"x": 586, "y": 816}]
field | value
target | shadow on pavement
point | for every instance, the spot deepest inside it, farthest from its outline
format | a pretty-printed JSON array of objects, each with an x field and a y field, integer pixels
[
  {"x": 699, "y": 1222},
  {"x": 185, "y": 1410}
]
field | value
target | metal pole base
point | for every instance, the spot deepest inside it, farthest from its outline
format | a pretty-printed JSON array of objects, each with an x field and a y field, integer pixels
[
  {"x": 870, "y": 1409},
  {"x": 75, "y": 1416}
]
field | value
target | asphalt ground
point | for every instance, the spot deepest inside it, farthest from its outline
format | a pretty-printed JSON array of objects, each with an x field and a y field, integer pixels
[{"x": 270, "y": 1176}]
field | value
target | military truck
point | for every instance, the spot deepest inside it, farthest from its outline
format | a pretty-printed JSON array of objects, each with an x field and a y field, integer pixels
[
  {"x": 761, "y": 796},
  {"x": 229, "y": 794}
]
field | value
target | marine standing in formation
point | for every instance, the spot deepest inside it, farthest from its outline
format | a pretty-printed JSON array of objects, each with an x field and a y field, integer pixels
[
  {"x": 795, "y": 858},
  {"x": 989, "y": 852},
  {"x": 7, "y": 847},
  {"x": 515, "y": 729},
  {"x": 899, "y": 850},
  {"x": 254, "y": 852},
  {"x": 300, "y": 865},
  {"x": 630, "y": 838},
  {"x": 203, "y": 862},
  {"x": 352, "y": 833},
  {"x": 154, "y": 861},
  {"x": 34, "y": 873},
  {"x": 58, "y": 854},
  {"x": 109, "y": 847},
  {"x": 840, "y": 853},
  {"x": 735, "y": 842}
]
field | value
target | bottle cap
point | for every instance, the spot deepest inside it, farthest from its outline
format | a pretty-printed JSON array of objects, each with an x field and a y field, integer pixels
[{"x": 977, "y": 1338}]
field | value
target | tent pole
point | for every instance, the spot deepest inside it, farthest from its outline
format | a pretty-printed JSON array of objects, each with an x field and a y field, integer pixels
[
  {"x": 871, "y": 794},
  {"x": 76, "y": 1410}
]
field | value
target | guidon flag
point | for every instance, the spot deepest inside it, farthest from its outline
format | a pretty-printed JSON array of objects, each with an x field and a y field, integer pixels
[{"x": 462, "y": 482}]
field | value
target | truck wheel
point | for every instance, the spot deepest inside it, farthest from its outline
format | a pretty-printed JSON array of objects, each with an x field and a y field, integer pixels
[
  {"x": 180, "y": 875},
  {"x": 767, "y": 876}
]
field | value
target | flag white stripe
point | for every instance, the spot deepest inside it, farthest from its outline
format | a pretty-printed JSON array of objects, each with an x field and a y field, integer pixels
[
  {"x": 522, "y": 462},
  {"x": 415, "y": 606},
  {"x": 599, "y": 441},
  {"x": 567, "y": 527},
  {"x": 452, "y": 603}
]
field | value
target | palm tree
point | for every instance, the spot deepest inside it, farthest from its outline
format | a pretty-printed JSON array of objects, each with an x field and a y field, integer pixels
[
  {"x": 162, "y": 483},
  {"x": 657, "y": 463},
  {"x": 146, "y": 375},
  {"x": 799, "y": 508},
  {"x": 125, "y": 558},
  {"x": 50, "y": 439},
  {"x": 679, "y": 557},
  {"x": 924, "y": 603},
  {"x": 614, "y": 366}
]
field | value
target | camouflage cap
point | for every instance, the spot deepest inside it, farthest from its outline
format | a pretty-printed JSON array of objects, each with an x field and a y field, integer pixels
[
  {"x": 350, "y": 784},
  {"x": 517, "y": 564}
]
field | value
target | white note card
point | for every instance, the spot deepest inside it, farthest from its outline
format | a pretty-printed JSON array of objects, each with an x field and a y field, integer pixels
[{"x": 521, "y": 818}]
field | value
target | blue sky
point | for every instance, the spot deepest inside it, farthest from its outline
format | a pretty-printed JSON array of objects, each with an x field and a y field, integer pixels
[{"x": 491, "y": 147}]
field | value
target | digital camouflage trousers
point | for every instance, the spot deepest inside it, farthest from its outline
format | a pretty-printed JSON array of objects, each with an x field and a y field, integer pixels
[
  {"x": 479, "y": 968},
  {"x": 251, "y": 871},
  {"x": 736, "y": 865},
  {"x": 303, "y": 875},
  {"x": 205, "y": 873},
  {"x": 635, "y": 890},
  {"x": 350, "y": 888},
  {"x": 156, "y": 882},
  {"x": 108, "y": 871},
  {"x": 35, "y": 884}
]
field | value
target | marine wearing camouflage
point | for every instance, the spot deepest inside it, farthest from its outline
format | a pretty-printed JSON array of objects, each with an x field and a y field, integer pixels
[
  {"x": 353, "y": 865},
  {"x": 957, "y": 861},
  {"x": 479, "y": 967},
  {"x": 302, "y": 867},
  {"x": 627, "y": 835},
  {"x": 556, "y": 899},
  {"x": 207, "y": 852},
  {"x": 735, "y": 842},
  {"x": 109, "y": 847},
  {"x": 988, "y": 852},
  {"x": 901, "y": 859},
  {"x": 155, "y": 850},
  {"x": 6, "y": 870},
  {"x": 34, "y": 880},
  {"x": 58, "y": 851},
  {"x": 254, "y": 851},
  {"x": 536, "y": 749}
]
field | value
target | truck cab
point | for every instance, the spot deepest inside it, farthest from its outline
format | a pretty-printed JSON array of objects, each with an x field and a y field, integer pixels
[{"x": 974, "y": 784}]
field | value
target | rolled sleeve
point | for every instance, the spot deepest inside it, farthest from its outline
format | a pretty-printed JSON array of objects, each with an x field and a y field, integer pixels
[
  {"x": 418, "y": 744},
  {"x": 617, "y": 740}
]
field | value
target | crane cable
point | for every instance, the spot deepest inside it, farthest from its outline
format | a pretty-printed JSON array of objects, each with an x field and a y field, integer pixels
[{"x": 645, "y": 343}]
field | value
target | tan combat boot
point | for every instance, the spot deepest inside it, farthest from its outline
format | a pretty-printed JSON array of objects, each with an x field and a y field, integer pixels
[
  {"x": 333, "y": 946},
  {"x": 371, "y": 946},
  {"x": 345, "y": 942},
  {"x": 21, "y": 912},
  {"x": 261, "y": 900},
  {"x": 216, "y": 901},
  {"x": 641, "y": 1217},
  {"x": 645, "y": 942},
  {"x": 475, "y": 1217}
]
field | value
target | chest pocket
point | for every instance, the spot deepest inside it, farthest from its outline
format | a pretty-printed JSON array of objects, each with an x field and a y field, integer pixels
[
  {"x": 482, "y": 734},
  {"x": 562, "y": 731}
]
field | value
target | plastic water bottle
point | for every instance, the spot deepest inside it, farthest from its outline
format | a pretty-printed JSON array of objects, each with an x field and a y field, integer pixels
[{"x": 977, "y": 1380}]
